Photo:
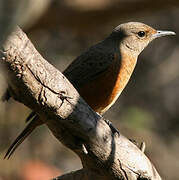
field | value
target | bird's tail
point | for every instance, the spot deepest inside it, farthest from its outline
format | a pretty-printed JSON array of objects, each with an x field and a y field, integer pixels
[{"x": 22, "y": 136}]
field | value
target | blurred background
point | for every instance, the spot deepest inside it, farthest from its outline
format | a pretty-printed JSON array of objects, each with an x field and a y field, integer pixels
[{"x": 148, "y": 108}]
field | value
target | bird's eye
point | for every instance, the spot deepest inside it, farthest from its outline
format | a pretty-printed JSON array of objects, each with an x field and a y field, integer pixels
[{"x": 141, "y": 33}]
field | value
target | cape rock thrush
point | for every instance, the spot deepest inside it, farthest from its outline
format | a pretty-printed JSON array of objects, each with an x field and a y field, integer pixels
[{"x": 101, "y": 73}]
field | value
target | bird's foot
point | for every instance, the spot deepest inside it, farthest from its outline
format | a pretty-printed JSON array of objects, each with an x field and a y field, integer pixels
[{"x": 113, "y": 129}]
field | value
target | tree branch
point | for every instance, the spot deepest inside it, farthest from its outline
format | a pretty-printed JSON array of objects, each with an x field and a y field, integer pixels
[{"x": 40, "y": 86}]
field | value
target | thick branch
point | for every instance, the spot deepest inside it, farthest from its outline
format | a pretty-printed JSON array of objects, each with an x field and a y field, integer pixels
[{"x": 41, "y": 87}]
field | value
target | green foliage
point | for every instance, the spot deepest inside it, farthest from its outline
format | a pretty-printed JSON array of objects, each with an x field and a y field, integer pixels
[{"x": 138, "y": 118}]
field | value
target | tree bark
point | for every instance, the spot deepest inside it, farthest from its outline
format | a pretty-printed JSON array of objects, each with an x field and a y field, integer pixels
[{"x": 40, "y": 86}]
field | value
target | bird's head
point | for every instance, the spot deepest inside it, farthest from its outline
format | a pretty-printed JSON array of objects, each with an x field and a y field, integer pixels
[{"x": 136, "y": 36}]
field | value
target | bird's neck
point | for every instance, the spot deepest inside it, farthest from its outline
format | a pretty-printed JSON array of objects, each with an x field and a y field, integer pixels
[
  {"x": 126, "y": 60},
  {"x": 128, "y": 63}
]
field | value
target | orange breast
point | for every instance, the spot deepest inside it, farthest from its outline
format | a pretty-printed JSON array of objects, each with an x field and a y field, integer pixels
[{"x": 104, "y": 90}]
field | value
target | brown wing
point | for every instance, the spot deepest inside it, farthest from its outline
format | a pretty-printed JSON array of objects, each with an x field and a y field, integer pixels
[{"x": 89, "y": 65}]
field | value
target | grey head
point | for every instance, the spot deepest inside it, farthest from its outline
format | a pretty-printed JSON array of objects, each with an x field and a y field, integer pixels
[{"x": 135, "y": 36}]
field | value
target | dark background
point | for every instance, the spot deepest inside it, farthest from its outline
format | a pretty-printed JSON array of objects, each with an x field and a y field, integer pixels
[{"x": 148, "y": 108}]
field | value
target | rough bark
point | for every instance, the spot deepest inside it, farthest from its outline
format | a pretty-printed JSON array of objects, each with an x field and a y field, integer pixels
[{"x": 40, "y": 86}]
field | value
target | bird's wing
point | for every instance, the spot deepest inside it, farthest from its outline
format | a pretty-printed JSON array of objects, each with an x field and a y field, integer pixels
[{"x": 88, "y": 66}]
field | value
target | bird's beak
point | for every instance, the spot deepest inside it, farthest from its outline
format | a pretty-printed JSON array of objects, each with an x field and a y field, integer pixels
[{"x": 163, "y": 33}]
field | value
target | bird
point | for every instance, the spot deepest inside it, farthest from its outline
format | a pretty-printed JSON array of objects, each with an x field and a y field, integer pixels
[{"x": 102, "y": 72}]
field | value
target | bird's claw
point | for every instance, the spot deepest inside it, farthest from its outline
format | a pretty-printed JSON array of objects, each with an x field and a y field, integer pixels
[{"x": 113, "y": 129}]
